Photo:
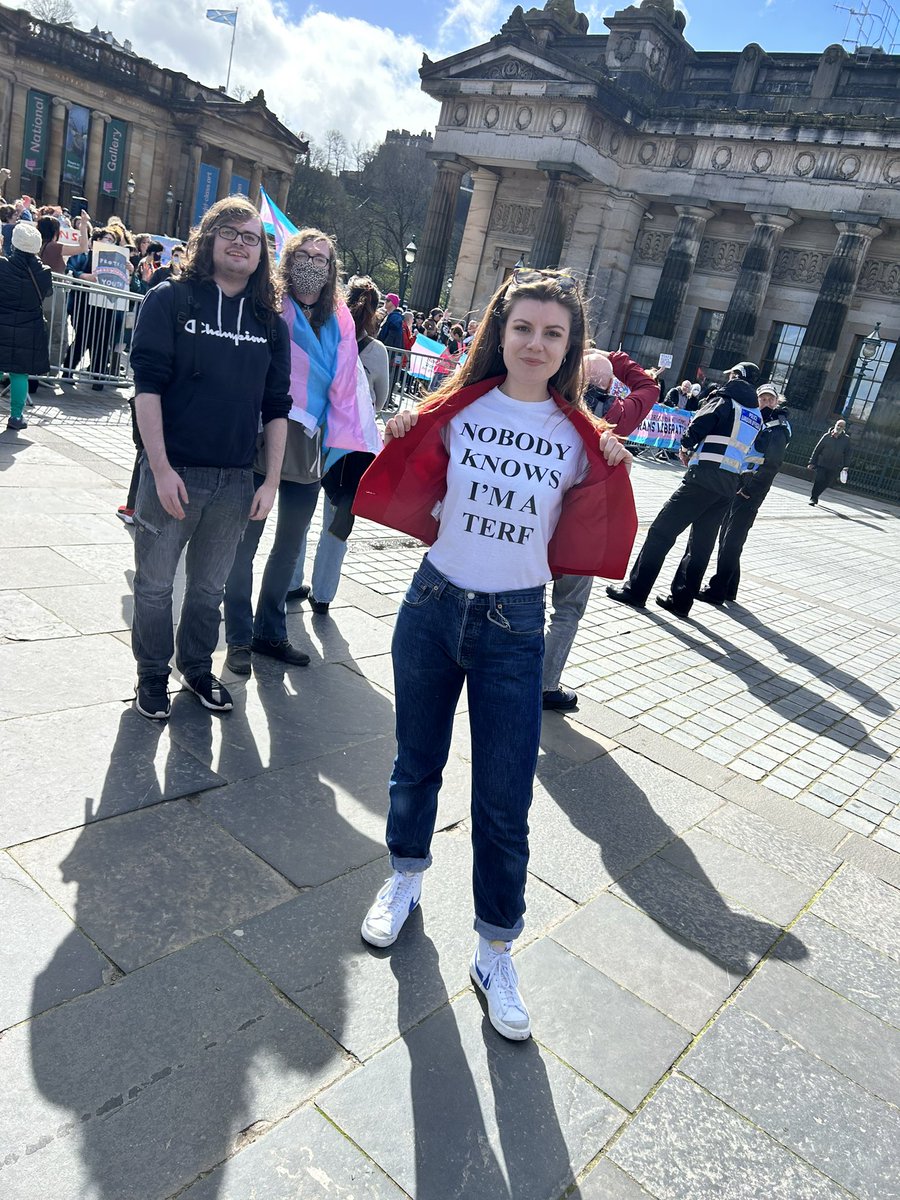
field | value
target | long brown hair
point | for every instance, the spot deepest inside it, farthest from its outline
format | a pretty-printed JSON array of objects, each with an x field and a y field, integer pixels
[
  {"x": 485, "y": 358},
  {"x": 330, "y": 293},
  {"x": 199, "y": 254},
  {"x": 363, "y": 301}
]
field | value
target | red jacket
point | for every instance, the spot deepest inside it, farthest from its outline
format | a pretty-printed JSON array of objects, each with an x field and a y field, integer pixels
[
  {"x": 627, "y": 413},
  {"x": 597, "y": 524}
]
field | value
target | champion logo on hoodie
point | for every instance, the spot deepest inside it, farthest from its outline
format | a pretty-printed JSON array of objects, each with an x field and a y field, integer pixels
[{"x": 232, "y": 335}]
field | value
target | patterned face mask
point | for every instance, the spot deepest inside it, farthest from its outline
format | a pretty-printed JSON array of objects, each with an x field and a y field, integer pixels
[{"x": 307, "y": 279}]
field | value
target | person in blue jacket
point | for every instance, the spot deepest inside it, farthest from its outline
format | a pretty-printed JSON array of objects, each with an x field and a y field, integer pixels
[
  {"x": 211, "y": 358},
  {"x": 715, "y": 448}
]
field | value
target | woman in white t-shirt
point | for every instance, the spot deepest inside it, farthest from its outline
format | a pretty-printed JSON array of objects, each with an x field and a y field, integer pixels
[{"x": 487, "y": 461}]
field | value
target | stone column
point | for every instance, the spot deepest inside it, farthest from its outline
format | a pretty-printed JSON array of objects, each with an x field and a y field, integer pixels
[
  {"x": 431, "y": 261},
  {"x": 13, "y": 154},
  {"x": 53, "y": 169},
  {"x": 190, "y": 189},
  {"x": 672, "y": 287},
  {"x": 471, "y": 248},
  {"x": 613, "y": 257},
  {"x": 256, "y": 182},
  {"x": 739, "y": 324},
  {"x": 94, "y": 166},
  {"x": 806, "y": 382},
  {"x": 284, "y": 190},
  {"x": 225, "y": 174},
  {"x": 551, "y": 230}
]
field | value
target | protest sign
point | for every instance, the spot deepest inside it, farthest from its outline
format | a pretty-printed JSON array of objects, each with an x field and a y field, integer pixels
[
  {"x": 110, "y": 265},
  {"x": 662, "y": 428}
]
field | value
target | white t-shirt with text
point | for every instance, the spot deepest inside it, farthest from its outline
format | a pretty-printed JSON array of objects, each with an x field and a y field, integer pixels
[{"x": 511, "y": 464}]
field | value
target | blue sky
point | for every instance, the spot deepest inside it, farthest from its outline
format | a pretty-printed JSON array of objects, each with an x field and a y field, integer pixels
[
  {"x": 777, "y": 25},
  {"x": 353, "y": 65}
]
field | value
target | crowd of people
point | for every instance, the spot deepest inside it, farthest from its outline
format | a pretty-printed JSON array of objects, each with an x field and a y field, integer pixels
[{"x": 259, "y": 382}]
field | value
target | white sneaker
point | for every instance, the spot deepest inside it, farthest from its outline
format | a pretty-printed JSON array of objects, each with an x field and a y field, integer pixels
[
  {"x": 493, "y": 972},
  {"x": 393, "y": 904}
]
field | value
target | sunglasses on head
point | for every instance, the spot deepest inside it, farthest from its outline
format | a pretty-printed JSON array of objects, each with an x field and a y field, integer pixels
[{"x": 566, "y": 283}]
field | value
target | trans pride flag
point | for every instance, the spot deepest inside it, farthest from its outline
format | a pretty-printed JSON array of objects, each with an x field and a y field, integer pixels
[{"x": 275, "y": 222}]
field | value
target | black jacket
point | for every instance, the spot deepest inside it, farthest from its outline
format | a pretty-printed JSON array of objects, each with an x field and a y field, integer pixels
[
  {"x": 217, "y": 366},
  {"x": 772, "y": 443},
  {"x": 715, "y": 419},
  {"x": 24, "y": 282},
  {"x": 831, "y": 452}
]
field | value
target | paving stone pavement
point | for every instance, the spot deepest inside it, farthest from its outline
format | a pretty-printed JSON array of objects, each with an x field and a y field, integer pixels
[{"x": 712, "y": 949}]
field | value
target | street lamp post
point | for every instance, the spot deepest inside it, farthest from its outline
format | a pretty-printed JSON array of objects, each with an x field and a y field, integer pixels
[
  {"x": 409, "y": 257},
  {"x": 170, "y": 200},
  {"x": 129, "y": 192},
  {"x": 870, "y": 347}
]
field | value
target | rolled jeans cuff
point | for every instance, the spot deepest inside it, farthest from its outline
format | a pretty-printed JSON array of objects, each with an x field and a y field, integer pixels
[
  {"x": 497, "y": 933},
  {"x": 414, "y": 866}
]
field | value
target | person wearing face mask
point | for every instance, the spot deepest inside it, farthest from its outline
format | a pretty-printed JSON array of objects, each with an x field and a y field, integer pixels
[
  {"x": 331, "y": 416},
  {"x": 768, "y": 455}
]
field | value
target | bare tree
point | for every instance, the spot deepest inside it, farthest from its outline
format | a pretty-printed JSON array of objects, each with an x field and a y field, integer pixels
[
  {"x": 60, "y": 12},
  {"x": 241, "y": 92}
]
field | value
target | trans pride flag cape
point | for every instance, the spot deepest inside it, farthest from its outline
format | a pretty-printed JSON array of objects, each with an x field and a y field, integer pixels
[{"x": 329, "y": 385}]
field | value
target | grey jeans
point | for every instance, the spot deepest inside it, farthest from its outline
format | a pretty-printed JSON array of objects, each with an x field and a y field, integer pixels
[
  {"x": 569, "y": 600},
  {"x": 215, "y": 517}
]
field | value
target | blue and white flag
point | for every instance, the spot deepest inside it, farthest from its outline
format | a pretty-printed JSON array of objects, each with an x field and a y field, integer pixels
[{"x": 224, "y": 16}]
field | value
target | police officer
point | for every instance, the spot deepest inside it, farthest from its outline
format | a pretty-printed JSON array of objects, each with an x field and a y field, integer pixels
[
  {"x": 754, "y": 487},
  {"x": 715, "y": 449}
]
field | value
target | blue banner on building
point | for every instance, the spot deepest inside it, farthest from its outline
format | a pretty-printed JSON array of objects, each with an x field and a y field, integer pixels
[
  {"x": 240, "y": 186},
  {"x": 207, "y": 187}
]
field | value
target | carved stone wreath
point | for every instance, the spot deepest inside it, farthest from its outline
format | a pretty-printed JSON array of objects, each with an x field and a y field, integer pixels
[
  {"x": 892, "y": 171},
  {"x": 523, "y": 117},
  {"x": 804, "y": 163},
  {"x": 511, "y": 70},
  {"x": 595, "y": 132},
  {"x": 624, "y": 49},
  {"x": 460, "y": 114},
  {"x": 721, "y": 157},
  {"x": 558, "y": 119},
  {"x": 849, "y": 165},
  {"x": 684, "y": 154},
  {"x": 647, "y": 153},
  {"x": 761, "y": 161},
  {"x": 615, "y": 142},
  {"x": 491, "y": 115}
]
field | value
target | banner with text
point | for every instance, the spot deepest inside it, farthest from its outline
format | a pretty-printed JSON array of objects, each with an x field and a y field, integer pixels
[
  {"x": 662, "y": 427},
  {"x": 113, "y": 164},
  {"x": 37, "y": 134},
  {"x": 240, "y": 186},
  {"x": 207, "y": 186},
  {"x": 75, "y": 156}
]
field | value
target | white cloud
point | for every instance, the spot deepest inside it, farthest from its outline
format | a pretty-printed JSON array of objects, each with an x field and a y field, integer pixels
[
  {"x": 318, "y": 73},
  {"x": 471, "y": 22}
]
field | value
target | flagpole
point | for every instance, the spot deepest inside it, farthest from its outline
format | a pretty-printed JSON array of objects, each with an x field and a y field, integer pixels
[{"x": 231, "y": 55}]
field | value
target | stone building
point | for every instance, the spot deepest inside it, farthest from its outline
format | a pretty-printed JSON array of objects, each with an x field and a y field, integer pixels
[
  {"x": 718, "y": 206},
  {"x": 80, "y": 115}
]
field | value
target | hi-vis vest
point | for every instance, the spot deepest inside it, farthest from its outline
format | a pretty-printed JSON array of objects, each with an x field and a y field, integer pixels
[
  {"x": 757, "y": 457},
  {"x": 731, "y": 452}
]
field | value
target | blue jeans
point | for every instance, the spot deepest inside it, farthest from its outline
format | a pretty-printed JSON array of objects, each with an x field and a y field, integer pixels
[
  {"x": 296, "y": 505},
  {"x": 219, "y": 504},
  {"x": 494, "y": 642},
  {"x": 329, "y": 559}
]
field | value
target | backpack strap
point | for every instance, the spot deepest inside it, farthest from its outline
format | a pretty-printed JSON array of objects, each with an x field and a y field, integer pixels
[{"x": 186, "y": 308}]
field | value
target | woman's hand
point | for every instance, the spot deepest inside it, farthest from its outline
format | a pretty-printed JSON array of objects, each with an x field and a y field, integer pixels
[
  {"x": 399, "y": 426},
  {"x": 614, "y": 451}
]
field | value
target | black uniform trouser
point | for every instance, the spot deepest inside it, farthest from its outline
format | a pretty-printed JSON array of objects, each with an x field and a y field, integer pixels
[
  {"x": 692, "y": 505},
  {"x": 826, "y": 477},
  {"x": 733, "y": 535}
]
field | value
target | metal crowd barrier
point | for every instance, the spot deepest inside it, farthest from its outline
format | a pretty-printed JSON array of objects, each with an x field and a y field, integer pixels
[
  {"x": 90, "y": 329},
  {"x": 414, "y": 374}
]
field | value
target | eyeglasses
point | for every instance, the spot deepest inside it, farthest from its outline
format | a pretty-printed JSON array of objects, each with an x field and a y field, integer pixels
[
  {"x": 531, "y": 275},
  {"x": 229, "y": 234},
  {"x": 319, "y": 260}
]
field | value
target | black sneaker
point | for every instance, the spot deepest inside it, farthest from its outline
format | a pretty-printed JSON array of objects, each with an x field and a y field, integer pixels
[
  {"x": 318, "y": 606},
  {"x": 299, "y": 593},
  {"x": 152, "y": 699},
  {"x": 237, "y": 660},
  {"x": 623, "y": 597},
  {"x": 211, "y": 692},
  {"x": 670, "y": 606},
  {"x": 283, "y": 651},
  {"x": 16, "y": 423},
  {"x": 560, "y": 699}
]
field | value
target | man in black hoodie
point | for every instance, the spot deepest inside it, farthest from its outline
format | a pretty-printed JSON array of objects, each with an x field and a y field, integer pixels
[
  {"x": 753, "y": 488},
  {"x": 715, "y": 448},
  {"x": 211, "y": 358}
]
